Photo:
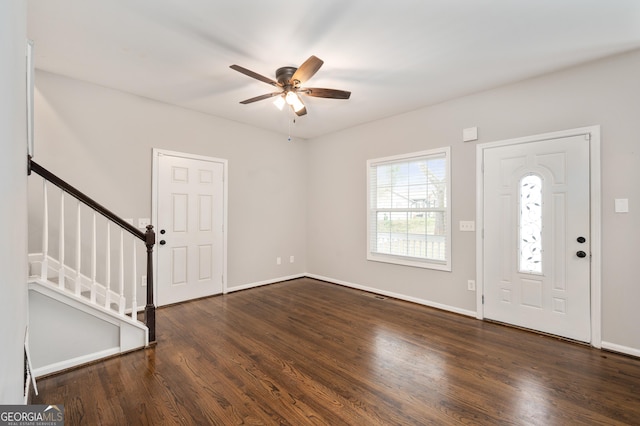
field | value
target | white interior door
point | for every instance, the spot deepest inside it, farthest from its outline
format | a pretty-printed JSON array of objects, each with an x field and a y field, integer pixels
[
  {"x": 536, "y": 246},
  {"x": 190, "y": 224}
]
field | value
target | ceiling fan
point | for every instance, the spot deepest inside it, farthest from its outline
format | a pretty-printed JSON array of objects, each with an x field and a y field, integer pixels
[{"x": 289, "y": 80}]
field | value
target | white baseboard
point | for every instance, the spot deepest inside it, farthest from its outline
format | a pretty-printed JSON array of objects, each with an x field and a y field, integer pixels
[
  {"x": 68, "y": 363},
  {"x": 613, "y": 347},
  {"x": 396, "y": 296},
  {"x": 261, "y": 283}
]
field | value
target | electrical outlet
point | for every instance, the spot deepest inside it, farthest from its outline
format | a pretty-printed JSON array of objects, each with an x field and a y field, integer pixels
[
  {"x": 143, "y": 281},
  {"x": 471, "y": 285},
  {"x": 467, "y": 225},
  {"x": 278, "y": 260},
  {"x": 292, "y": 259}
]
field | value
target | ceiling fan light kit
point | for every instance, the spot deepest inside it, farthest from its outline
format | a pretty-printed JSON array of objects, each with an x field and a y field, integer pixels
[
  {"x": 280, "y": 102},
  {"x": 289, "y": 80},
  {"x": 294, "y": 100}
]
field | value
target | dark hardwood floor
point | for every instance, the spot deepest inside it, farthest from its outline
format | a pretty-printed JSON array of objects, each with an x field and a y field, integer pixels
[{"x": 308, "y": 352}]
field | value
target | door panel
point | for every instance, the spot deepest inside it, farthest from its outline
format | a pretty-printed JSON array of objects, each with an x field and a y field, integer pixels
[
  {"x": 190, "y": 213},
  {"x": 536, "y": 205}
]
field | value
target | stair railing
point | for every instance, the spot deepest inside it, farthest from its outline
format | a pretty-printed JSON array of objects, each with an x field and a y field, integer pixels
[{"x": 148, "y": 238}]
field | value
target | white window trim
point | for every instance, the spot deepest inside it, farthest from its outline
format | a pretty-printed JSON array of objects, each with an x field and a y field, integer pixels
[{"x": 403, "y": 260}]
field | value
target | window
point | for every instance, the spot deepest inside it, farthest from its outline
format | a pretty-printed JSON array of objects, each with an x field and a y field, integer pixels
[
  {"x": 408, "y": 209},
  {"x": 530, "y": 224}
]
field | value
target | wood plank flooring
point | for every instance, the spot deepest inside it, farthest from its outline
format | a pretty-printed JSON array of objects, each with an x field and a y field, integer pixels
[{"x": 309, "y": 352}]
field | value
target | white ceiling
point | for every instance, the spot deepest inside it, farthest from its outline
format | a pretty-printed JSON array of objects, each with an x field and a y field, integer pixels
[{"x": 393, "y": 55}]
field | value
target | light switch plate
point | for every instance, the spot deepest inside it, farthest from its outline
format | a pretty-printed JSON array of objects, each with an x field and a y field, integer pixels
[{"x": 467, "y": 225}]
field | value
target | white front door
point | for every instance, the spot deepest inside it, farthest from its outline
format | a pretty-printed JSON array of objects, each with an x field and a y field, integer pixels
[
  {"x": 536, "y": 246},
  {"x": 189, "y": 227}
]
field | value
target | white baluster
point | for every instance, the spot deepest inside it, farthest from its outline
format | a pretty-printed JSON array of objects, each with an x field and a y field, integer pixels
[
  {"x": 134, "y": 279},
  {"x": 45, "y": 233},
  {"x": 107, "y": 298},
  {"x": 78, "y": 250},
  {"x": 121, "y": 274},
  {"x": 93, "y": 258},
  {"x": 61, "y": 243}
]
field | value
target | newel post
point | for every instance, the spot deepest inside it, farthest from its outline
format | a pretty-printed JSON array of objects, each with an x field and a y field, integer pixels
[{"x": 150, "y": 309}]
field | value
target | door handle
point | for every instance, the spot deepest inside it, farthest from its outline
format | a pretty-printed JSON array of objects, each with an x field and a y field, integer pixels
[
  {"x": 580, "y": 254},
  {"x": 162, "y": 242},
  {"x": 581, "y": 240}
]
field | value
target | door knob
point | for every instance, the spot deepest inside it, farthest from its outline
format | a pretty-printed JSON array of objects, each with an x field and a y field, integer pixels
[
  {"x": 580, "y": 239},
  {"x": 162, "y": 231},
  {"x": 580, "y": 254},
  {"x": 163, "y": 242}
]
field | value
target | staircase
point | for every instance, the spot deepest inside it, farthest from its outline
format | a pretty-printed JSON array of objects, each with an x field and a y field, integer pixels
[{"x": 85, "y": 308}]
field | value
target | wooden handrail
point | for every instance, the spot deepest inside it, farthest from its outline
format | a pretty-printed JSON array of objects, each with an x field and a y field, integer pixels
[
  {"x": 148, "y": 237},
  {"x": 46, "y": 174}
]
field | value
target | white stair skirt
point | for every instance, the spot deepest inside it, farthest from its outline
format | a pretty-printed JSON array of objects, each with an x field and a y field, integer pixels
[{"x": 67, "y": 330}]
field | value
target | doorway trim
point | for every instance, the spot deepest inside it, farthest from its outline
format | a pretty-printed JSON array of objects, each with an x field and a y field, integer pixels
[
  {"x": 595, "y": 219},
  {"x": 155, "y": 170}
]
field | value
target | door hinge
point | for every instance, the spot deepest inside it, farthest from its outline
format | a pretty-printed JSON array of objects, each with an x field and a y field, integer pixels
[{"x": 483, "y": 299}]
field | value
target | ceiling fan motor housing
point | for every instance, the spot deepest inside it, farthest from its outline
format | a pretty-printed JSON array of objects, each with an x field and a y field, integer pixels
[{"x": 284, "y": 74}]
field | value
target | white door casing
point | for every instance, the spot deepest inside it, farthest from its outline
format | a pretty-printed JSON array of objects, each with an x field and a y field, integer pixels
[
  {"x": 189, "y": 214},
  {"x": 563, "y": 297}
]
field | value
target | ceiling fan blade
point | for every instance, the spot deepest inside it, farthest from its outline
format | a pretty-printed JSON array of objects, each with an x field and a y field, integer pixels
[
  {"x": 261, "y": 97},
  {"x": 325, "y": 93},
  {"x": 254, "y": 75},
  {"x": 307, "y": 69}
]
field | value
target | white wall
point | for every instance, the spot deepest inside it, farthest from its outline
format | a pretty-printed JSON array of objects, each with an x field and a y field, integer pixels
[
  {"x": 13, "y": 192},
  {"x": 100, "y": 140},
  {"x": 308, "y": 199},
  {"x": 606, "y": 92}
]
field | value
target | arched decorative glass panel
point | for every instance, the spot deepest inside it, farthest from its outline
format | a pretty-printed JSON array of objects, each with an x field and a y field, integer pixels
[{"x": 530, "y": 224}]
